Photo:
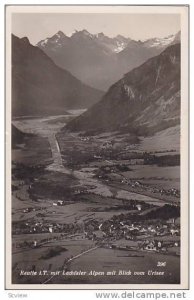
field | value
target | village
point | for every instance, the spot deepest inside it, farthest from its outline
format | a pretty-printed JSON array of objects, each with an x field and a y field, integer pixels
[
  {"x": 135, "y": 185},
  {"x": 95, "y": 200},
  {"x": 113, "y": 161},
  {"x": 117, "y": 233}
]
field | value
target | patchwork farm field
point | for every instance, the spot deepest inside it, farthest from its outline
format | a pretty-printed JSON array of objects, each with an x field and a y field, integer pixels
[
  {"x": 75, "y": 197},
  {"x": 163, "y": 177}
]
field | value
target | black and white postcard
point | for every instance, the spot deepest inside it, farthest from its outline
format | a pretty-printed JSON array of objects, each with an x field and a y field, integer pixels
[{"x": 97, "y": 147}]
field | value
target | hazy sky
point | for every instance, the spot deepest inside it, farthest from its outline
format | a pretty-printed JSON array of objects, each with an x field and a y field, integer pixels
[{"x": 38, "y": 26}]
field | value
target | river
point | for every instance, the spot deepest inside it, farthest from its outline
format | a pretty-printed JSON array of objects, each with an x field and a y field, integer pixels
[{"x": 43, "y": 127}]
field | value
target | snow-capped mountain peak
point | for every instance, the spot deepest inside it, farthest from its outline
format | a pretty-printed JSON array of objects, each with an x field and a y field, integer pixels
[
  {"x": 161, "y": 42},
  {"x": 98, "y": 59},
  {"x": 43, "y": 43},
  {"x": 57, "y": 40},
  {"x": 120, "y": 46}
]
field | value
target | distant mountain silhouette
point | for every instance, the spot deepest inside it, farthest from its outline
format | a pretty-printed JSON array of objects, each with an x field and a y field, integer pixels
[
  {"x": 39, "y": 87},
  {"x": 146, "y": 100},
  {"x": 99, "y": 60}
]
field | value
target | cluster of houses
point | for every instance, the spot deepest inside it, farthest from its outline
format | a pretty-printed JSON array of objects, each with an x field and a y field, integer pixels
[
  {"x": 139, "y": 230},
  {"x": 103, "y": 173},
  {"x": 29, "y": 209},
  {"x": 155, "y": 245},
  {"x": 35, "y": 243},
  {"x": 86, "y": 139},
  {"x": 150, "y": 246},
  {"x": 31, "y": 227},
  {"x": 145, "y": 236},
  {"x": 59, "y": 203},
  {"x": 137, "y": 184},
  {"x": 119, "y": 226}
]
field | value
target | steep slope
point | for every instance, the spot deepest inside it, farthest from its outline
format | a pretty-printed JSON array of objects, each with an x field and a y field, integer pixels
[
  {"x": 145, "y": 100},
  {"x": 134, "y": 55},
  {"x": 39, "y": 87},
  {"x": 161, "y": 43},
  {"x": 97, "y": 59},
  {"x": 88, "y": 58},
  {"x": 137, "y": 52}
]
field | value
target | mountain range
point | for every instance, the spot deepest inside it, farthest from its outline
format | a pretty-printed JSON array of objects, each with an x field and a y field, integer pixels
[
  {"x": 99, "y": 60},
  {"x": 144, "y": 101},
  {"x": 40, "y": 87}
]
